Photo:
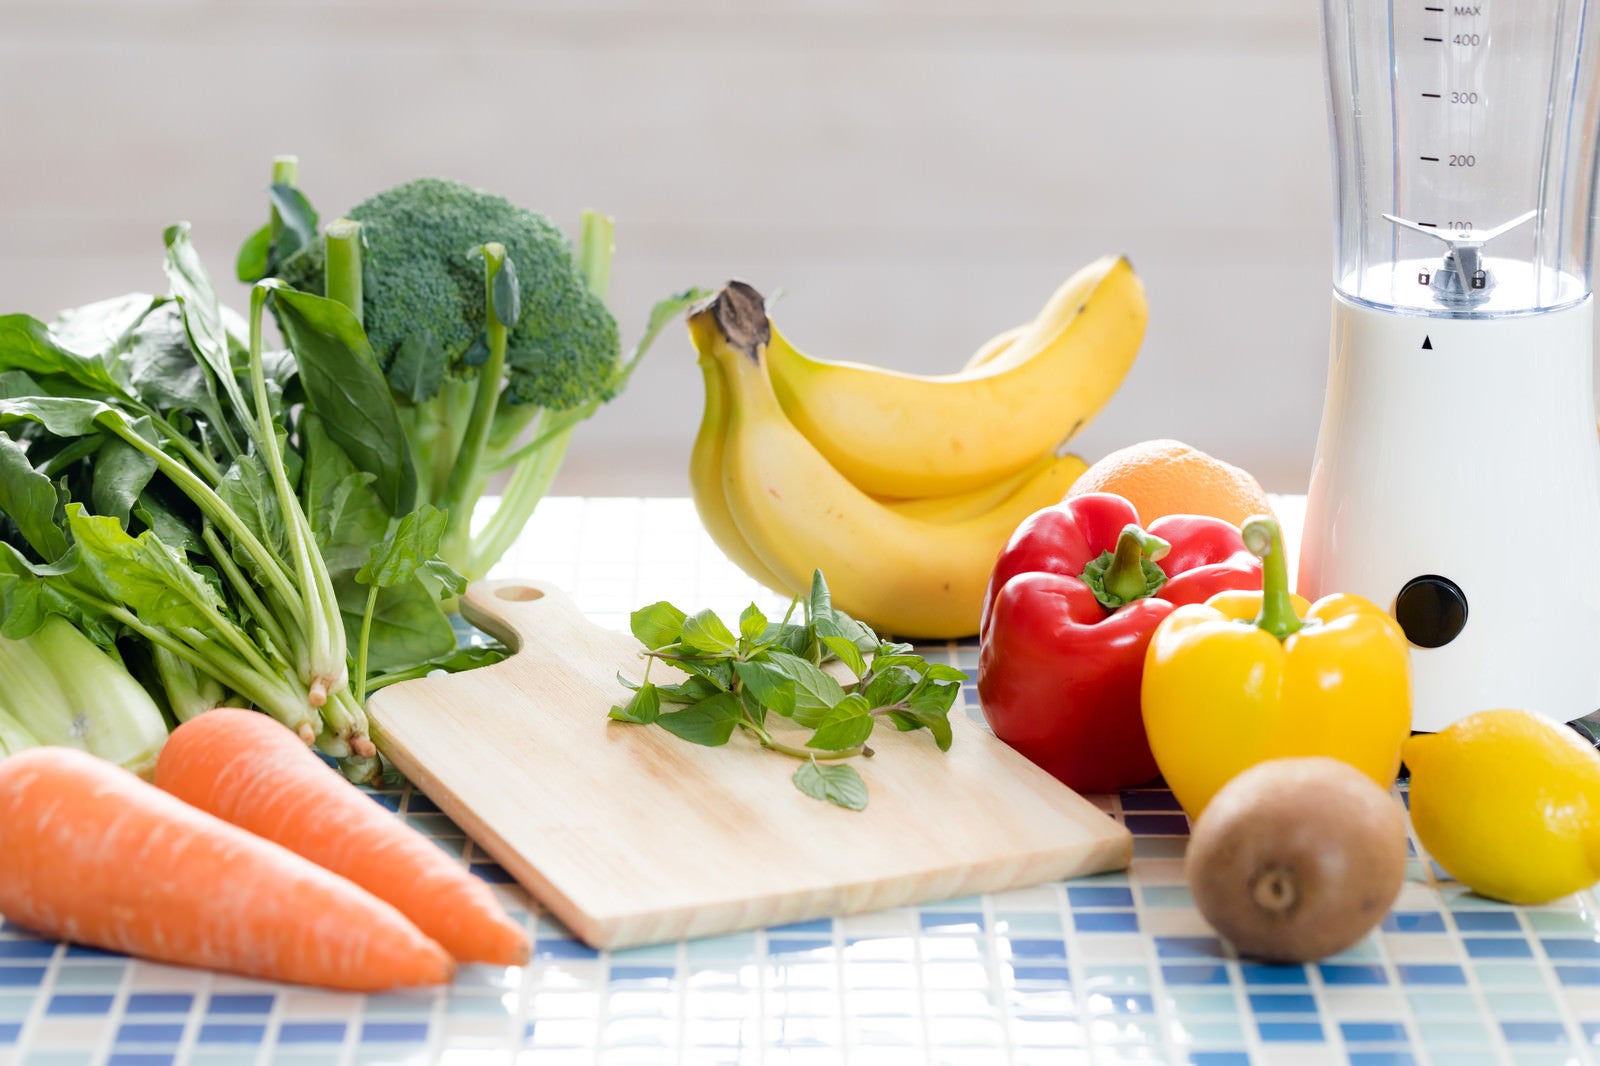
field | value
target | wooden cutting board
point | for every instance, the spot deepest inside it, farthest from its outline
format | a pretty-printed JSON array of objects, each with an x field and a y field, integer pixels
[{"x": 629, "y": 835}]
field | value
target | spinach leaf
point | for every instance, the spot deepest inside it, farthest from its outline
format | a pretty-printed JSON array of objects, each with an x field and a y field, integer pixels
[
  {"x": 141, "y": 573},
  {"x": 411, "y": 551},
  {"x": 120, "y": 475},
  {"x": 202, "y": 319},
  {"x": 26, "y": 344},
  {"x": 408, "y": 623},
  {"x": 29, "y": 499},
  {"x": 97, "y": 331},
  {"x": 347, "y": 390}
]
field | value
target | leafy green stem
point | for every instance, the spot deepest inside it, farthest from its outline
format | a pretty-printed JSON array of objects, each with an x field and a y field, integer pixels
[
  {"x": 246, "y": 592},
  {"x": 183, "y": 445},
  {"x": 325, "y": 642},
  {"x": 365, "y": 641},
  {"x": 212, "y": 506}
]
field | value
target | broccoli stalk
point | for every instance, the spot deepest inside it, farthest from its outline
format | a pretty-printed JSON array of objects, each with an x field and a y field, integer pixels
[
  {"x": 533, "y": 465},
  {"x": 502, "y": 305}
]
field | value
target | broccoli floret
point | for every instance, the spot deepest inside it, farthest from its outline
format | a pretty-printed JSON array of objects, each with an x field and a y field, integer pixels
[
  {"x": 423, "y": 303},
  {"x": 489, "y": 390}
]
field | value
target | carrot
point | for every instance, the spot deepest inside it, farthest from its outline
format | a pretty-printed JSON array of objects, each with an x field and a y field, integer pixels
[
  {"x": 247, "y": 769},
  {"x": 93, "y": 854}
]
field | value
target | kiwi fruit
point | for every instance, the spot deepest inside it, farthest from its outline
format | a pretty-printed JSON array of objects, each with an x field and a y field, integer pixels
[{"x": 1297, "y": 859}]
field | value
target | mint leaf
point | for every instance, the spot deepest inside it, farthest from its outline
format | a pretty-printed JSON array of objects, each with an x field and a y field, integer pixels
[
  {"x": 903, "y": 721},
  {"x": 644, "y": 708},
  {"x": 882, "y": 662},
  {"x": 889, "y": 687},
  {"x": 814, "y": 691},
  {"x": 753, "y": 707},
  {"x": 768, "y": 684},
  {"x": 710, "y": 722},
  {"x": 847, "y": 726},
  {"x": 931, "y": 707},
  {"x": 657, "y": 625},
  {"x": 838, "y": 785},
  {"x": 819, "y": 604},
  {"x": 944, "y": 672},
  {"x": 690, "y": 691},
  {"x": 848, "y": 654},
  {"x": 718, "y": 671},
  {"x": 705, "y": 632},
  {"x": 753, "y": 624}
]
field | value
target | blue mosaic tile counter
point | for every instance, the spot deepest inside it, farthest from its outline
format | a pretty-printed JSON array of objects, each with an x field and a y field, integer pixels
[{"x": 1104, "y": 970}]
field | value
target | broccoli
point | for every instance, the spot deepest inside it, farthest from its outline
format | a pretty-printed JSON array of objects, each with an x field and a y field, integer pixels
[
  {"x": 491, "y": 329},
  {"x": 423, "y": 304}
]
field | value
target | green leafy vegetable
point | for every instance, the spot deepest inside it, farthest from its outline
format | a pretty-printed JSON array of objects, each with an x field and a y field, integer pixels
[
  {"x": 409, "y": 553},
  {"x": 737, "y": 681}
]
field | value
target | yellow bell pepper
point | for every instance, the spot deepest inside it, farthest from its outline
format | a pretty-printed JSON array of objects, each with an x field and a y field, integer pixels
[{"x": 1246, "y": 677}]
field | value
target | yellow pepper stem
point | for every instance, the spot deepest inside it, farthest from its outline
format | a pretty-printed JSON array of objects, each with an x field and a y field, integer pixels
[{"x": 1264, "y": 538}]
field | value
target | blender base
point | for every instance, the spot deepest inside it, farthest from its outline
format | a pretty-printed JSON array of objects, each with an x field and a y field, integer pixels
[{"x": 1458, "y": 461}]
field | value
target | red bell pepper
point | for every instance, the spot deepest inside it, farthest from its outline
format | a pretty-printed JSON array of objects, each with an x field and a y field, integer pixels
[{"x": 1068, "y": 614}]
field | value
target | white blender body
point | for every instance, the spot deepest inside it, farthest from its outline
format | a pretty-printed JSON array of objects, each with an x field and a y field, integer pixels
[{"x": 1457, "y": 473}]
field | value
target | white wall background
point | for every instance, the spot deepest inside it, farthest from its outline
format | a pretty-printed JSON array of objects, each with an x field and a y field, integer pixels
[{"x": 916, "y": 176}]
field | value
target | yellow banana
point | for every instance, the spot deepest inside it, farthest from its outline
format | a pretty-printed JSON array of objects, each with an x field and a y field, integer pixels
[
  {"x": 905, "y": 576},
  {"x": 904, "y": 435},
  {"x": 994, "y": 346},
  {"x": 1040, "y": 484},
  {"x": 705, "y": 481}
]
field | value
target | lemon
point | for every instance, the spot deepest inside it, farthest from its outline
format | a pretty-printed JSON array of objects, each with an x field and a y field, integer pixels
[{"x": 1509, "y": 804}]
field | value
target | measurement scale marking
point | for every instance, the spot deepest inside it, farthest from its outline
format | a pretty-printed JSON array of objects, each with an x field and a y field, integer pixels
[
  {"x": 1436, "y": 40},
  {"x": 1430, "y": 159},
  {"x": 1432, "y": 96}
]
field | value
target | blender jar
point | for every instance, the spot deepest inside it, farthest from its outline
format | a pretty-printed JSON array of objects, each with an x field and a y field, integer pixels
[{"x": 1461, "y": 119}]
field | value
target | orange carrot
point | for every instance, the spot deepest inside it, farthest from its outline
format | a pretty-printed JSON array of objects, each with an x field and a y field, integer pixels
[
  {"x": 93, "y": 854},
  {"x": 247, "y": 769}
]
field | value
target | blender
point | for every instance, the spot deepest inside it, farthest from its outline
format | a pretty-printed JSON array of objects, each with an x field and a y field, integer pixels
[{"x": 1457, "y": 472}]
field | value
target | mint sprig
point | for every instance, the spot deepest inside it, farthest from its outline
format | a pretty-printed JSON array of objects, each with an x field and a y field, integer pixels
[{"x": 740, "y": 675}]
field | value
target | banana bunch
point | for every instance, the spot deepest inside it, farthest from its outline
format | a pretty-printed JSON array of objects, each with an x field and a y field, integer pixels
[{"x": 902, "y": 488}]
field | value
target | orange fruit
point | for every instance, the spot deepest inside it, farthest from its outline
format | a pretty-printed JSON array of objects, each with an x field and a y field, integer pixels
[{"x": 1162, "y": 477}]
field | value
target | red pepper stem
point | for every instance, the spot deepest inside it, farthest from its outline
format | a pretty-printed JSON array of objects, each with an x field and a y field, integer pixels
[
  {"x": 1125, "y": 577},
  {"x": 1263, "y": 536}
]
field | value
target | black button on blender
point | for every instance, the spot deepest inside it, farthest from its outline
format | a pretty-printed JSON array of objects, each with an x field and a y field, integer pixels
[{"x": 1431, "y": 609}]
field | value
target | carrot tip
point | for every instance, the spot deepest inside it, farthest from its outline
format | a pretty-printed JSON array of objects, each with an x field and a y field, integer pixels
[{"x": 362, "y": 745}]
